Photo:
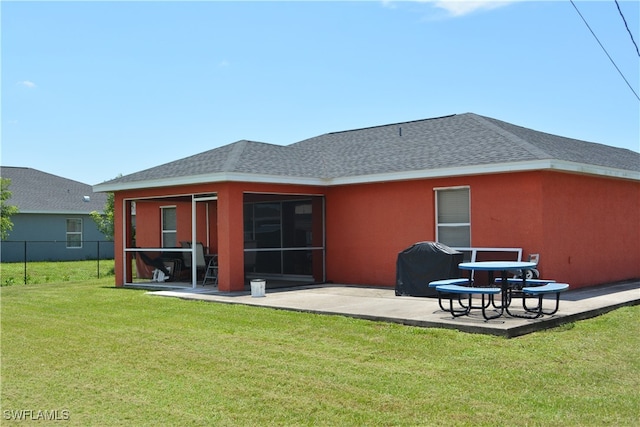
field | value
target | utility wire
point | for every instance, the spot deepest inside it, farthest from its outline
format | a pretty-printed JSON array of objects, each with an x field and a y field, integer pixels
[
  {"x": 628, "y": 30},
  {"x": 605, "y": 50}
]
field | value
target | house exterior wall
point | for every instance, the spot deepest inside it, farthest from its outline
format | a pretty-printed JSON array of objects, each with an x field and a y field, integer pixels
[
  {"x": 367, "y": 225},
  {"x": 565, "y": 218},
  {"x": 586, "y": 229},
  {"x": 148, "y": 224},
  {"x": 148, "y": 229},
  {"x": 46, "y": 239},
  {"x": 591, "y": 228}
]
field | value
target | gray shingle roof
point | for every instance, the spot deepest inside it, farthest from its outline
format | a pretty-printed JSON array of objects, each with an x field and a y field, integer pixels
[
  {"x": 455, "y": 141},
  {"x": 573, "y": 150},
  {"x": 34, "y": 191},
  {"x": 242, "y": 157},
  {"x": 462, "y": 140}
]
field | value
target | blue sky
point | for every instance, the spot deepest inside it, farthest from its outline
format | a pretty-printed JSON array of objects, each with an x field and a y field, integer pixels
[{"x": 91, "y": 90}]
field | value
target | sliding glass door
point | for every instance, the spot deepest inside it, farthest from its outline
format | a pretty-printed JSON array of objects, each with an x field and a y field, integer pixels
[{"x": 284, "y": 236}]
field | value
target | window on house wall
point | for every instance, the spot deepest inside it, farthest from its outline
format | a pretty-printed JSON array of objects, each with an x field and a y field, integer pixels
[
  {"x": 169, "y": 227},
  {"x": 453, "y": 217},
  {"x": 74, "y": 233}
]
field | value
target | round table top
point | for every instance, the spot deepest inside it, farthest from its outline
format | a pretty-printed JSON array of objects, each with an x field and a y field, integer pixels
[{"x": 497, "y": 265}]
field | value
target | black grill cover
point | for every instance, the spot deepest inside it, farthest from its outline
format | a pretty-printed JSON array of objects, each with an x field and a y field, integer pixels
[{"x": 422, "y": 263}]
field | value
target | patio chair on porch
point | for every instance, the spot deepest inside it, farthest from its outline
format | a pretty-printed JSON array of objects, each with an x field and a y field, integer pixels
[
  {"x": 201, "y": 263},
  {"x": 212, "y": 272}
]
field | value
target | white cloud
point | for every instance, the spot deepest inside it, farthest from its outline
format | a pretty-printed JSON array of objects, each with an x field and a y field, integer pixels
[
  {"x": 457, "y": 8},
  {"x": 464, "y": 7},
  {"x": 27, "y": 83},
  {"x": 224, "y": 63}
]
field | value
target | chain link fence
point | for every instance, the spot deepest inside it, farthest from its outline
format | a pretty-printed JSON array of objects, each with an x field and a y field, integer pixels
[{"x": 83, "y": 259}]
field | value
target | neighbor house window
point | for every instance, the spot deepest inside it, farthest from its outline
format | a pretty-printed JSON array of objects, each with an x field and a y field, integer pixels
[
  {"x": 74, "y": 233},
  {"x": 169, "y": 227},
  {"x": 453, "y": 217}
]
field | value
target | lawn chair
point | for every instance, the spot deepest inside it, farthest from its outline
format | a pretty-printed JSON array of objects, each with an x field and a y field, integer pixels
[{"x": 212, "y": 272}]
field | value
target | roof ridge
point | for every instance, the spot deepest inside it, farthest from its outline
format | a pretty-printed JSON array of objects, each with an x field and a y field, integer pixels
[
  {"x": 526, "y": 145},
  {"x": 234, "y": 157},
  {"x": 391, "y": 124}
]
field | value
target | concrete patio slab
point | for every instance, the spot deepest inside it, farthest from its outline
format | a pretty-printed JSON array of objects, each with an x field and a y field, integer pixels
[{"x": 381, "y": 304}]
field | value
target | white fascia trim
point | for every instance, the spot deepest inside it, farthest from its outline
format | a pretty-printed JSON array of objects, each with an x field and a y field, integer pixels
[
  {"x": 446, "y": 172},
  {"x": 210, "y": 178},
  {"x": 594, "y": 170},
  {"x": 547, "y": 164},
  {"x": 534, "y": 165}
]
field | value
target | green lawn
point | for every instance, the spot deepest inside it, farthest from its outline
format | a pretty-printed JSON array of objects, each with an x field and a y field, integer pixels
[{"x": 121, "y": 357}]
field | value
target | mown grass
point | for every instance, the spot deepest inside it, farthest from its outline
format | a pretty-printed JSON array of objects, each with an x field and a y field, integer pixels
[
  {"x": 13, "y": 273},
  {"x": 114, "y": 357}
]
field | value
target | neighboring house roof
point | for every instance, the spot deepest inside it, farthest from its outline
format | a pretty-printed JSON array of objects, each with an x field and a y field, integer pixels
[
  {"x": 461, "y": 144},
  {"x": 34, "y": 191}
]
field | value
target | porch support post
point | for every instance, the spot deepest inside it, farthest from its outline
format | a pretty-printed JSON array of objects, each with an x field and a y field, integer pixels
[
  {"x": 194, "y": 266},
  {"x": 119, "y": 239},
  {"x": 230, "y": 238},
  {"x": 128, "y": 241}
]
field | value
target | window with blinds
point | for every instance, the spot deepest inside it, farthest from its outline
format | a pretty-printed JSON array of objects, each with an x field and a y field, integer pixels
[
  {"x": 453, "y": 217},
  {"x": 169, "y": 227}
]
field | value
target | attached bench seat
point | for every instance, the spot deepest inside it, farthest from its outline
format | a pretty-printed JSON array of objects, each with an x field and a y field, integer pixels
[
  {"x": 443, "y": 282},
  {"x": 516, "y": 284},
  {"x": 540, "y": 292},
  {"x": 517, "y": 281},
  {"x": 451, "y": 291},
  {"x": 549, "y": 288},
  {"x": 457, "y": 289}
]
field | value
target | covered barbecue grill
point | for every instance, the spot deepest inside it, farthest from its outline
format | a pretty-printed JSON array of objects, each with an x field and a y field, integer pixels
[{"x": 422, "y": 263}]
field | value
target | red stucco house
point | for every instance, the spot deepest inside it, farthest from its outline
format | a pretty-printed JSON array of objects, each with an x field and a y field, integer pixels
[{"x": 339, "y": 207}]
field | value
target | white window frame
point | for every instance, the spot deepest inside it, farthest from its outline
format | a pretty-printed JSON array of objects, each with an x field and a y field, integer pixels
[
  {"x": 168, "y": 231},
  {"x": 457, "y": 224},
  {"x": 73, "y": 233}
]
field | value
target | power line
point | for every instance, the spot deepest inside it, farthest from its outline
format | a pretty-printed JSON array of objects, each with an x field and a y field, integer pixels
[
  {"x": 627, "y": 27},
  {"x": 605, "y": 50}
]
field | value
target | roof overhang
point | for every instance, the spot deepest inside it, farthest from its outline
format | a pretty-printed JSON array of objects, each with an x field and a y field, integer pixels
[
  {"x": 41, "y": 212},
  {"x": 535, "y": 165},
  {"x": 209, "y": 178}
]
